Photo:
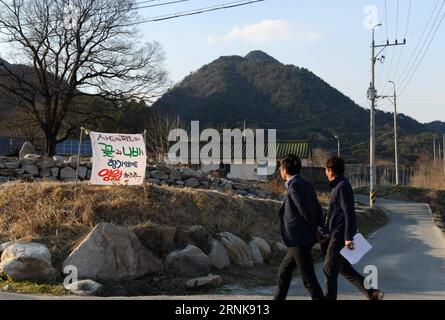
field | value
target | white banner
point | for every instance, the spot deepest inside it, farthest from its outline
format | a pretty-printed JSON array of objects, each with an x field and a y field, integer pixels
[{"x": 118, "y": 159}]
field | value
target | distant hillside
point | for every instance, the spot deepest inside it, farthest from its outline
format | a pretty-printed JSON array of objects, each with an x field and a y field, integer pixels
[{"x": 265, "y": 93}]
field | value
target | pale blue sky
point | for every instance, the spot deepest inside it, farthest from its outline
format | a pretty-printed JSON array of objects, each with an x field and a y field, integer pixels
[{"x": 327, "y": 37}]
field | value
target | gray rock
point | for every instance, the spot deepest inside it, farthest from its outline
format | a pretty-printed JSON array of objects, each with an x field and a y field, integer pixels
[
  {"x": 84, "y": 288},
  {"x": 3, "y": 246},
  {"x": 191, "y": 262},
  {"x": 180, "y": 183},
  {"x": 218, "y": 255},
  {"x": 55, "y": 172},
  {"x": 238, "y": 251},
  {"x": 7, "y": 172},
  {"x": 159, "y": 175},
  {"x": 187, "y": 173},
  {"x": 256, "y": 254},
  {"x": 191, "y": 183},
  {"x": 46, "y": 163},
  {"x": 67, "y": 173},
  {"x": 264, "y": 247},
  {"x": 112, "y": 253},
  {"x": 31, "y": 169},
  {"x": 175, "y": 175},
  {"x": 70, "y": 164},
  {"x": 22, "y": 261},
  {"x": 89, "y": 172},
  {"x": 205, "y": 184},
  {"x": 11, "y": 165},
  {"x": 27, "y": 162},
  {"x": 162, "y": 168},
  {"x": 208, "y": 282},
  {"x": 45, "y": 173},
  {"x": 26, "y": 149},
  {"x": 83, "y": 173}
]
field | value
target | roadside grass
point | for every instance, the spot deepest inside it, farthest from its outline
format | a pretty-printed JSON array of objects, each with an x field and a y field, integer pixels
[
  {"x": 35, "y": 288},
  {"x": 59, "y": 216}
]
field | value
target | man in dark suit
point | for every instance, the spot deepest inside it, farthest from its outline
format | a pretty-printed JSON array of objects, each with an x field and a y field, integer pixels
[
  {"x": 300, "y": 217},
  {"x": 341, "y": 225}
]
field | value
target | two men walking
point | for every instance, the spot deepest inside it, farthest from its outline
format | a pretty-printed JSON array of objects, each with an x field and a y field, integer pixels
[{"x": 301, "y": 225}]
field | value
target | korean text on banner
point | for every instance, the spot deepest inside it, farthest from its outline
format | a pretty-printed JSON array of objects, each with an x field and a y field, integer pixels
[{"x": 118, "y": 159}]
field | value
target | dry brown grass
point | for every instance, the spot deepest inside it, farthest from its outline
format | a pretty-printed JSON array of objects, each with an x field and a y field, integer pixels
[
  {"x": 60, "y": 216},
  {"x": 431, "y": 180}
]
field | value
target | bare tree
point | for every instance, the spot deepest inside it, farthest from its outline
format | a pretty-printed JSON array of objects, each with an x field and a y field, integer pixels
[
  {"x": 319, "y": 157},
  {"x": 75, "y": 48},
  {"x": 157, "y": 134}
]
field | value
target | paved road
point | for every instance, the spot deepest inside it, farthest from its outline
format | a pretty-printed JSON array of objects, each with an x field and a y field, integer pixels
[{"x": 409, "y": 254}]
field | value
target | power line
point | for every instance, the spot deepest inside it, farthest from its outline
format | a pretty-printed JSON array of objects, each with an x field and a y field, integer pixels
[
  {"x": 405, "y": 71},
  {"x": 362, "y": 143},
  {"x": 423, "y": 56},
  {"x": 418, "y": 48},
  {"x": 223, "y": 6}
]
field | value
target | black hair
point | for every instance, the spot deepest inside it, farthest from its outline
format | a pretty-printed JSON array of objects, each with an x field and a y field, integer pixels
[
  {"x": 292, "y": 164},
  {"x": 337, "y": 165}
]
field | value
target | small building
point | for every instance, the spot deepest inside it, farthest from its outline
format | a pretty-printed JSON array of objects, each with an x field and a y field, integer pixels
[{"x": 259, "y": 171}]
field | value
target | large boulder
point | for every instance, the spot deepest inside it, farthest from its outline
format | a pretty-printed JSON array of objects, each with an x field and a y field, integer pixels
[
  {"x": 218, "y": 255},
  {"x": 157, "y": 238},
  {"x": 26, "y": 149},
  {"x": 22, "y": 261},
  {"x": 190, "y": 262},
  {"x": 256, "y": 253},
  {"x": 239, "y": 252},
  {"x": 264, "y": 247},
  {"x": 112, "y": 253}
]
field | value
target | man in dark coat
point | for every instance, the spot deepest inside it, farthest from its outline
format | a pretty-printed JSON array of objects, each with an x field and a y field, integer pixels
[
  {"x": 300, "y": 218},
  {"x": 341, "y": 225}
]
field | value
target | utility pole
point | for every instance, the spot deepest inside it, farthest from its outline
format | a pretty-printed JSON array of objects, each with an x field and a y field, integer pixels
[
  {"x": 434, "y": 153},
  {"x": 443, "y": 157},
  {"x": 372, "y": 95},
  {"x": 396, "y": 152}
]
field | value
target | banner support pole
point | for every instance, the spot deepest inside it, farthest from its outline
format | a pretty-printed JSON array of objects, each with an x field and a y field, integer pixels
[{"x": 78, "y": 156}]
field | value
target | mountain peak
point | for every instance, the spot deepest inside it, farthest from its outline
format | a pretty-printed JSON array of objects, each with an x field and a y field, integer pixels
[{"x": 259, "y": 55}]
